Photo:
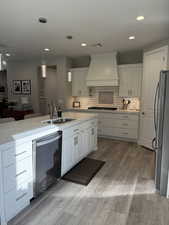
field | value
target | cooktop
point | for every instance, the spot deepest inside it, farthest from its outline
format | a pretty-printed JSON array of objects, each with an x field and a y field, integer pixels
[{"x": 102, "y": 108}]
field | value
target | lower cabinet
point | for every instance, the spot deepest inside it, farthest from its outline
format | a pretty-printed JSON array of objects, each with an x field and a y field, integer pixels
[
  {"x": 78, "y": 142},
  {"x": 17, "y": 178},
  {"x": 18, "y": 199},
  {"x": 67, "y": 157},
  {"x": 123, "y": 126}
]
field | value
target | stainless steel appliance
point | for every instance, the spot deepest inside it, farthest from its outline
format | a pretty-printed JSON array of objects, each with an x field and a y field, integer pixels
[
  {"x": 47, "y": 153},
  {"x": 161, "y": 141}
]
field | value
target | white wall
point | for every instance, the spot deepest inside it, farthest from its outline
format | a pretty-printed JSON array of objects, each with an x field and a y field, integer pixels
[
  {"x": 23, "y": 71},
  {"x": 28, "y": 70},
  {"x": 158, "y": 45}
]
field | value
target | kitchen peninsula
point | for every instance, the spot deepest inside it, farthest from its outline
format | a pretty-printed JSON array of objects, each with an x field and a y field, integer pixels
[{"x": 79, "y": 138}]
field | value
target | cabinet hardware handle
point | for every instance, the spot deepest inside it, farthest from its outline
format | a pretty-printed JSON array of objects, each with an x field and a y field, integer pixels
[
  {"x": 20, "y": 153},
  {"x": 76, "y": 130},
  {"x": 20, "y": 197},
  {"x": 143, "y": 113},
  {"x": 75, "y": 140},
  {"x": 24, "y": 171},
  {"x": 125, "y": 133},
  {"x": 125, "y": 124}
]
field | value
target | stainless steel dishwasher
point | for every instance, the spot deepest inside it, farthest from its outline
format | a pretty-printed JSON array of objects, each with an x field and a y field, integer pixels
[{"x": 47, "y": 154}]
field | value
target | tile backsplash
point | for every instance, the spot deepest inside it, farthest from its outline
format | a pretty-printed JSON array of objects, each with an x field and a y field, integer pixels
[{"x": 93, "y": 100}]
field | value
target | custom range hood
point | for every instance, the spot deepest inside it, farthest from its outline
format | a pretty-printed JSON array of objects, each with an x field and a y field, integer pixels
[{"x": 103, "y": 70}]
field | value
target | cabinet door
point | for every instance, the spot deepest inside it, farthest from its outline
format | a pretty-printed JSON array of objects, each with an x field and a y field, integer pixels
[
  {"x": 130, "y": 80},
  {"x": 92, "y": 139},
  {"x": 79, "y": 87},
  {"x": 67, "y": 154},
  {"x": 76, "y": 147},
  {"x": 84, "y": 146}
]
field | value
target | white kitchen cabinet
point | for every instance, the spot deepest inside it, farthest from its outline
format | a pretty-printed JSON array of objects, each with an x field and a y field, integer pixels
[
  {"x": 67, "y": 156},
  {"x": 79, "y": 87},
  {"x": 130, "y": 80},
  {"x": 17, "y": 178},
  {"x": 92, "y": 137},
  {"x": 123, "y": 126},
  {"x": 77, "y": 146},
  {"x": 77, "y": 143}
]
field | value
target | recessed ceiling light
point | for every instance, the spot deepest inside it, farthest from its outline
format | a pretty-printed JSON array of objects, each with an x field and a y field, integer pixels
[
  {"x": 8, "y": 54},
  {"x": 131, "y": 37},
  {"x": 83, "y": 44},
  {"x": 139, "y": 18},
  {"x": 46, "y": 49}
]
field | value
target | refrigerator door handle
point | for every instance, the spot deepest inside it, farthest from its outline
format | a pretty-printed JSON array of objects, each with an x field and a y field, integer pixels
[{"x": 154, "y": 141}]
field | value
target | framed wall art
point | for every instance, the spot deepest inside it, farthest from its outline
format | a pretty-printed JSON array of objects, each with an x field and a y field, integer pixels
[
  {"x": 26, "y": 87},
  {"x": 17, "y": 87}
]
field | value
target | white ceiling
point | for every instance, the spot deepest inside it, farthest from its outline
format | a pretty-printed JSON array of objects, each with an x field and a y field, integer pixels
[{"x": 108, "y": 21}]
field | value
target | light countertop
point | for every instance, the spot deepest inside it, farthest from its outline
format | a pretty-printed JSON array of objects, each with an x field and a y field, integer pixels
[{"x": 18, "y": 129}]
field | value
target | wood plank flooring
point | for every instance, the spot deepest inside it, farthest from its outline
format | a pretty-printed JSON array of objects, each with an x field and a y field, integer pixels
[{"x": 122, "y": 193}]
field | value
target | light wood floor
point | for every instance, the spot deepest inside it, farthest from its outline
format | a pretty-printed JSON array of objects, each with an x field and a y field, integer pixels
[{"x": 122, "y": 193}]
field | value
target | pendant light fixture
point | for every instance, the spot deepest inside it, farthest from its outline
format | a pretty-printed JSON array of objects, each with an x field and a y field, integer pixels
[
  {"x": 43, "y": 70},
  {"x": 0, "y": 62},
  {"x": 69, "y": 76},
  {"x": 3, "y": 62}
]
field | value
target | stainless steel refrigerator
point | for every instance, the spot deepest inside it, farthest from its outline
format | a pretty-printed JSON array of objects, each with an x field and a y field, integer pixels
[{"x": 161, "y": 141}]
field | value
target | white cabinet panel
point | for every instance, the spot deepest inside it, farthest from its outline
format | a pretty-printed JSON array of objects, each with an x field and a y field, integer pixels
[
  {"x": 67, "y": 155},
  {"x": 79, "y": 87},
  {"x": 17, "y": 153},
  {"x": 77, "y": 143},
  {"x": 18, "y": 199},
  {"x": 130, "y": 80},
  {"x": 118, "y": 116},
  {"x": 77, "y": 147},
  {"x": 119, "y": 132},
  {"x": 118, "y": 125},
  {"x": 17, "y": 173}
]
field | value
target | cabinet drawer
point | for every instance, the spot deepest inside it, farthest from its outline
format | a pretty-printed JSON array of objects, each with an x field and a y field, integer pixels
[
  {"x": 17, "y": 173},
  {"x": 118, "y": 132},
  {"x": 19, "y": 152},
  {"x": 17, "y": 199},
  {"x": 24, "y": 150},
  {"x": 127, "y": 133},
  {"x": 118, "y": 116},
  {"x": 8, "y": 157},
  {"x": 118, "y": 123},
  {"x": 23, "y": 195}
]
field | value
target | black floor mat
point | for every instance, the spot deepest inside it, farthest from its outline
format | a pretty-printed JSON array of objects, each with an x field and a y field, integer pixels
[{"x": 84, "y": 171}]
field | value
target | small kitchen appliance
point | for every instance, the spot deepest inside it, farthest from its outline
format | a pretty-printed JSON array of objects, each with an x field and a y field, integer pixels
[{"x": 76, "y": 104}]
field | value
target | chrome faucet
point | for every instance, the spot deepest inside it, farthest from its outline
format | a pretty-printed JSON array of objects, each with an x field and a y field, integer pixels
[{"x": 52, "y": 109}]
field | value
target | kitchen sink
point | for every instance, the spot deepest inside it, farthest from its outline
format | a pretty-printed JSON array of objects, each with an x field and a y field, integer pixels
[{"x": 58, "y": 120}]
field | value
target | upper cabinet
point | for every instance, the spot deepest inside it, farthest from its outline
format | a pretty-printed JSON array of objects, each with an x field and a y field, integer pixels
[
  {"x": 79, "y": 87},
  {"x": 130, "y": 80}
]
